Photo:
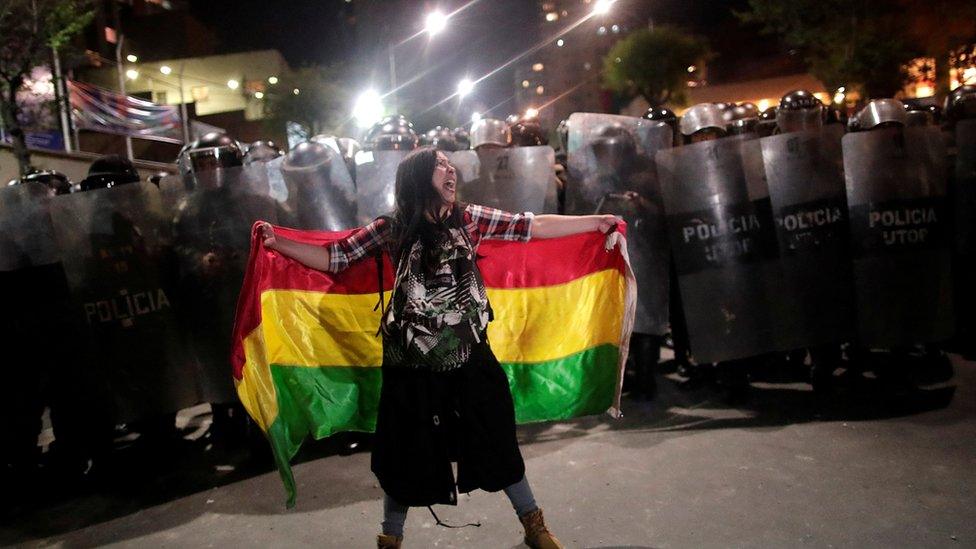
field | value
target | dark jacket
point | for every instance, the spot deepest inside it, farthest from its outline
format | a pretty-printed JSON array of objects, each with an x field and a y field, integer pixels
[{"x": 429, "y": 419}]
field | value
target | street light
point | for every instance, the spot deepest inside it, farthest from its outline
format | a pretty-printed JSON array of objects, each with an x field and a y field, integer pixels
[
  {"x": 368, "y": 109},
  {"x": 436, "y": 22},
  {"x": 602, "y": 7},
  {"x": 233, "y": 84},
  {"x": 465, "y": 86},
  {"x": 131, "y": 58},
  {"x": 531, "y": 113},
  {"x": 132, "y": 74},
  {"x": 272, "y": 80},
  {"x": 475, "y": 117},
  {"x": 165, "y": 69}
]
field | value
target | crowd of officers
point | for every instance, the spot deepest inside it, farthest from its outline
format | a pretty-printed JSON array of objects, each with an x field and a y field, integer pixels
[{"x": 79, "y": 445}]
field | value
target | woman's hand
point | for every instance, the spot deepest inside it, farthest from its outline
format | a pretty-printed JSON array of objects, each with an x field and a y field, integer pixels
[
  {"x": 266, "y": 231},
  {"x": 607, "y": 222}
]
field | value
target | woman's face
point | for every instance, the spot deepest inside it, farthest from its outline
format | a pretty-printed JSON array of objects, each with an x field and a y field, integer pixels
[{"x": 444, "y": 180}]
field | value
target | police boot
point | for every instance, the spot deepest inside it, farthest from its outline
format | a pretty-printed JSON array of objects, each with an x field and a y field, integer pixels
[
  {"x": 385, "y": 541},
  {"x": 537, "y": 535}
]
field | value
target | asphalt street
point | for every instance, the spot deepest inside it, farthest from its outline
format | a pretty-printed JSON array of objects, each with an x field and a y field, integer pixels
[{"x": 787, "y": 468}]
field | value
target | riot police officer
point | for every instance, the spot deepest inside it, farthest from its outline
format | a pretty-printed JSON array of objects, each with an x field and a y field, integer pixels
[
  {"x": 392, "y": 133},
  {"x": 441, "y": 138},
  {"x": 767, "y": 122},
  {"x": 702, "y": 122},
  {"x": 666, "y": 116},
  {"x": 261, "y": 151},
  {"x": 799, "y": 110},
  {"x": 489, "y": 133},
  {"x": 109, "y": 171}
]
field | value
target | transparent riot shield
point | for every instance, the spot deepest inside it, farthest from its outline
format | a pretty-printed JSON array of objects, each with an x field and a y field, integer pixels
[
  {"x": 321, "y": 196},
  {"x": 375, "y": 183},
  {"x": 117, "y": 256},
  {"x": 468, "y": 168},
  {"x": 612, "y": 170},
  {"x": 896, "y": 191},
  {"x": 26, "y": 235},
  {"x": 518, "y": 179},
  {"x": 813, "y": 300},
  {"x": 963, "y": 194},
  {"x": 212, "y": 237},
  {"x": 722, "y": 235}
]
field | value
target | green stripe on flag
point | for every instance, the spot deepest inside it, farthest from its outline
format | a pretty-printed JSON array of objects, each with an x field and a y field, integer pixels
[
  {"x": 330, "y": 399},
  {"x": 577, "y": 385}
]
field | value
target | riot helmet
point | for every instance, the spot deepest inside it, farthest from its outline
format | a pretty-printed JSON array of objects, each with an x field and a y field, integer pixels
[
  {"x": 614, "y": 147},
  {"x": 960, "y": 104},
  {"x": 462, "y": 138},
  {"x": 799, "y": 110},
  {"x": 109, "y": 171},
  {"x": 835, "y": 115},
  {"x": 393, "y": 133},
  {"x": 307, "y": 156},
  {"x": 512, "y": 119},
  {"x": 55, "y": 181},
  {"x": 767, "y": 122},
  {"x": 742, "y": 118},
  {"x": 527, "y": 132},
  {"x": 261, "y": 151},
  {"x": 441, "y": 138},
  {"x": 490, "y": 132},
  {"x": 209, "y": 157},
  {"x": 664, "y": 116},
  {"x": 702, "y": 122},
  {"x": 917, "y": 113},
  {"x": 880, "y": 113}
]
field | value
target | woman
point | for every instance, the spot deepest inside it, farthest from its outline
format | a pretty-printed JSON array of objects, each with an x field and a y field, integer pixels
[{"x": 444, "y": 397}]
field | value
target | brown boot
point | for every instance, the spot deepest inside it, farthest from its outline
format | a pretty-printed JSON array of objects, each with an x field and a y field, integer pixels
[
  {"x": 384, "y": 541},
  {"x": 537, "y": 536}
]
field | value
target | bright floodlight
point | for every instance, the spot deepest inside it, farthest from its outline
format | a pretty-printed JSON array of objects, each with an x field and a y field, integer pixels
[
  {"x": 165, "y": 69},
  {"x": 475, "y": 117},
  {"x": 132, "y": 74},
  {"x": 465, "y": 87},
  {"x": 131, "y": 58},
  {"x": 436, "y": 22},
  {"x": 531, "y": 113},
  {"x": 368, "y": 109},
  {"x": 233, "y": 84},
  {"x": 602, "y": 7}
]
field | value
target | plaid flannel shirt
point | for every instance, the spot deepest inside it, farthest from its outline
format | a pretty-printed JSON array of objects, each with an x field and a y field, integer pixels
[{"x": 480, "y": 222}]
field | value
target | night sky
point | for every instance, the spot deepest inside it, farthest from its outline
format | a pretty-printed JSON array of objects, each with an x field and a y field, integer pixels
[{"x": 481, "y": 38}]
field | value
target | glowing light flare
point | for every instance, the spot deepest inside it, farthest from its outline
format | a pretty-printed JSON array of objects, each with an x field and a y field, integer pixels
[
  {"x": 839, "y": 97},
  {"x": 436, "y": 22},
  {"x": 475, "y": 117},
  {"x": 368, "y": 109},
  {"x": 259, "y": 95},
  {"x": 132, "y": 58},
  {"x": 165, "y": 69},
  {"x": 132, "y": 74},
  {"x": 465, "y": 86},
  {"x": 233, "y": 84},
  {"x": 272, "y": 80},
  {"x": 531, "y": 112},
  {"x": 602, "y": 7},
  {"x": 924, "y": 90},
  {"x": 763, "y": 104}
]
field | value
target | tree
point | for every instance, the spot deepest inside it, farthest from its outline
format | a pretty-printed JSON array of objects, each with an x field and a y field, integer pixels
[
  {"x": 865, "y": 44},
  {"x": 31, "y": 29},
  {"x": 653, "y": 64},
  {"x": 321, "y": 104}
]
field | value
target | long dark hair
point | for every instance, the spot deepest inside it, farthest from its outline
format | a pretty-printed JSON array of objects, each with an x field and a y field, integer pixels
[{"x": 416, "y": 197}]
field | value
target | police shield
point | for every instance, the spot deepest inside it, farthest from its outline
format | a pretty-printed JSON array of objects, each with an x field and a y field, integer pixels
[
  {"x": 320, "y": 192},
  {"x": 722, "y": 235},
  {"x": 963, "y": 194},
  {"x": 375, "y": 183},
  {"x": 813, "y": 300},
  {"x": 518, "y": 179},
  {"x": 116, "y": 253},
  {"x": 896, "y": 191},
  {"x": 611, "y": 170},
  {"x": 211, "y": 238},
  {"x": 26, "y": 235}
]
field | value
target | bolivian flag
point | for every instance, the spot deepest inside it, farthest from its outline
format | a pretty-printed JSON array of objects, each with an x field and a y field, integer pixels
[{"x": 307, "y": 358}]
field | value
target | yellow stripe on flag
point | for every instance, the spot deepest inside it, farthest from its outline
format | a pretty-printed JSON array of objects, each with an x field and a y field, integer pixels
[
  {"x": 552, "y": 322},
  {"x": 315, "y": 329}
]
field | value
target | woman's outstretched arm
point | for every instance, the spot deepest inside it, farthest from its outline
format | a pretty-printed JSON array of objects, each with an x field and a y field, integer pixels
[
  {"x": 553, "y": 226},
  {"x": 310, "y": 255}
]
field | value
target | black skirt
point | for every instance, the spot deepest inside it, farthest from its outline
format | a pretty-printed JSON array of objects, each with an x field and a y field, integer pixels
[{"x": 428, "y": 419}]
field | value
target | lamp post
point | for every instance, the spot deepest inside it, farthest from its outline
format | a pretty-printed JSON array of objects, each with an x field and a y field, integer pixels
[
  {"x": 436, "y": 22},
  {"x": 120, "y": 67}
]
